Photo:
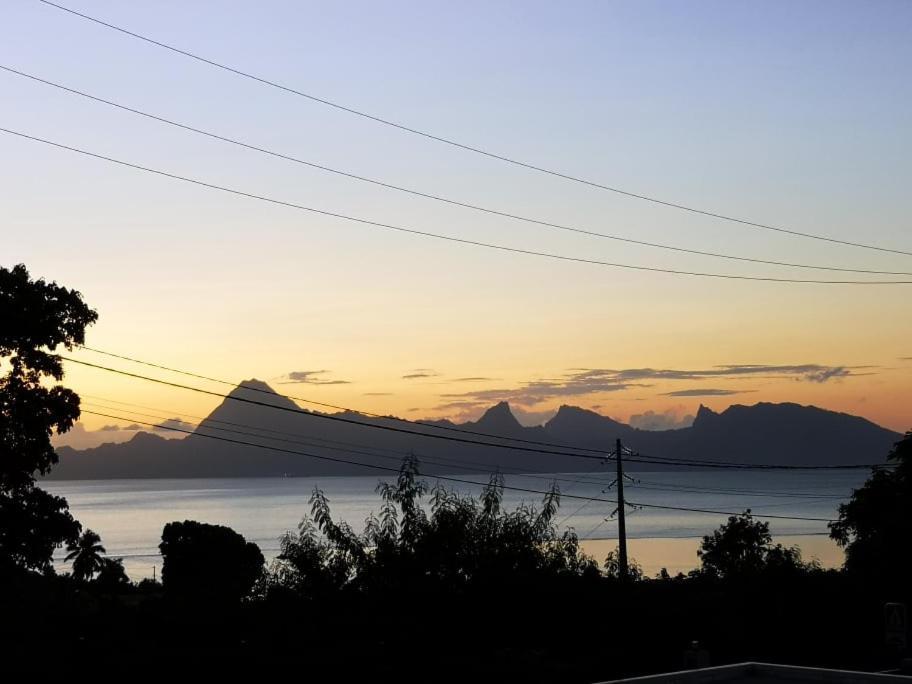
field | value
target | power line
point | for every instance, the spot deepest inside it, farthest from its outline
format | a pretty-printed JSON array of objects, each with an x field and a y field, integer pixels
[
  {"x": 470, "y": 148},
  {"x": 446, "y": 478},
  {"x": 440, "y": 236},
  {"x": 435, "y": 426},
  {"x": 355, "y": 448},
  {"x": 441, "y": 198},
  {"x": 706, "y": 510},
  {"x": 463, "y": 464},
  {"x": 299, "y": 411},
  {"x": 733, "y": 491}
]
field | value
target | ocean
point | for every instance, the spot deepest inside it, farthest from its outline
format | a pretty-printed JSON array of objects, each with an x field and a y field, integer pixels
[{"x": 129, "y": 514}]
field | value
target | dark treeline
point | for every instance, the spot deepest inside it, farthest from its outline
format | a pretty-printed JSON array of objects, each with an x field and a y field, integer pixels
[{"x": 437, "y": 584}]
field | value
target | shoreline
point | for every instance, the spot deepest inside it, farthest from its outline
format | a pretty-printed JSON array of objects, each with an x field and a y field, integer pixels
[{"x": 679, "y": 554}]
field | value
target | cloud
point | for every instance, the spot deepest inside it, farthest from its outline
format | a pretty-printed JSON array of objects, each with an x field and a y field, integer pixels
[
  {"x": 827, "y": 374},
  {"x": 419, "y": 373},
  {"x": 477, "y": 379},
  {"x": 310, "y": 378},
  {"x": 173, "y": 424},
  {"x": 577, "y": 382},
  {"x": 704, "y": 392},
  {"x": 668, "y": 420},
  {"x": 78, "y": 437},
  {"x": 811, "y": 372},
  {"x": 378, "y": 394}
]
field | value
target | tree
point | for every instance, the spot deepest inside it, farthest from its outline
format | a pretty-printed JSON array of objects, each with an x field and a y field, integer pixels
[
  {"x": 112, "y": 575},
  {"x": 208, "y": 562},
  {"x": 875, "y": 525},
  {"x": 462, "y": 543},
  {"x": 612, "y": 567},
  {"x": 743, "y": 547},
  {"x": 86, "y": 554},
  {"x": 37, "y": 317}
]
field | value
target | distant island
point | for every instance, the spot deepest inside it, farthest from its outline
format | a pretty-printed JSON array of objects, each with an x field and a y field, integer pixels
[{"x": 762, "y": 433}]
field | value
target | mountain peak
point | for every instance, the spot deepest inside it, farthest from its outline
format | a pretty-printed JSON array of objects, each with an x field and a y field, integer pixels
[
  {"x": 499, "y": 418},
  {"x": 704, "y": 415},
  {"x": 257, "y": 390},
  {"x": 255, "y": 385}
]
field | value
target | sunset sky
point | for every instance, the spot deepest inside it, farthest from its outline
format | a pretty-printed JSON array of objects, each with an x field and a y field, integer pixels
[{"x": 790, "y": 114}]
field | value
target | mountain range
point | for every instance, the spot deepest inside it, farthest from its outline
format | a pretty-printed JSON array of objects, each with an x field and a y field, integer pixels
[{"x": 762, "y": 433}]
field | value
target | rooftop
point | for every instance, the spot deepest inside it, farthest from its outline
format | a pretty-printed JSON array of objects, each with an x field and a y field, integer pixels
[{"x": 763, "y": 673}]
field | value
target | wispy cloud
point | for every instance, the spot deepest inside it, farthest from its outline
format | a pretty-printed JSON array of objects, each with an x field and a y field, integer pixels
[
  {"x": 577, "y": 382},
  {"x": 172, "y": 424},
  {"x": 811, "y": 372},
  {"x": 474, "y": 379},
  {"x": 667, "y": 420},
  {"x": 310, "y": 378},
  {"x": 378, "y": 394},
  {"x": 708, "y": 392},
  {"x": 419, "y": 373}
]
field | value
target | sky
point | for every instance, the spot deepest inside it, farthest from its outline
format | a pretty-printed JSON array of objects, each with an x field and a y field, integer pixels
[{"x": 789, "y": 114}]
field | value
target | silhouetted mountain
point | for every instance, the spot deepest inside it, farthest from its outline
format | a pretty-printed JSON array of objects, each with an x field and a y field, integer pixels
[
  {"x": 497, "y": 420},
  {"x": 295, "y": 442}
]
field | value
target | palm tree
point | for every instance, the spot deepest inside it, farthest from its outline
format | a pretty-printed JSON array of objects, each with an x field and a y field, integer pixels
[{"x": 85, "y": 553}]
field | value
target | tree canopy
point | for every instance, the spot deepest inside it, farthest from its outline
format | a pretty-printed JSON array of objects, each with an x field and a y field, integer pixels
[
  {"x": 87, "y": 555},
  {"x": 204, "y": 562},
  {"x": 875, "y": 525},
  {"x": 38, "y": 317},
  {"x": 464, "y": 542},
  {"x": 743, "y": 548}
]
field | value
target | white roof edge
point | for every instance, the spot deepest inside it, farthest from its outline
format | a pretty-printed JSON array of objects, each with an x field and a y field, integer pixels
[{"x": 724, "y": 673}]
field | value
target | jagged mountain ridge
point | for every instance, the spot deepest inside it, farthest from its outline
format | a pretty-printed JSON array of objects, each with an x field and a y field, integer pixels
[{"x": 762, "y": 433}]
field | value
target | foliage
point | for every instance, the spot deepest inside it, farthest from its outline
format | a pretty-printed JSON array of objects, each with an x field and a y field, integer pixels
[
  {"x": 208, "y": 562},
  {"x": 87, "y": 555},
  {"x": 875, "y": 525},
  {"x": 743, "y": 548},
  {"x": 112, "y": 576},
  {"x": 37, "y": 318},
  {"x": 464, "y": 542},
  {"x": 612, "y": 567}
]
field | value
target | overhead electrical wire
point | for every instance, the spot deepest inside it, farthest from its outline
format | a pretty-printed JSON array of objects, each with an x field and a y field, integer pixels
[
  {"x": 446, "y": 478},
  {"x": 462, "y": 464},
  {"x": 436, "y": 426},
  {"x": 441, "y": 198},
  {"x": 443, "y": 237},
  {"x": 471, "y": 148},
  {"x": 637, "y": 458},
  {"x": 448, "y": 428},
  {"x": 361, "y": 449}
]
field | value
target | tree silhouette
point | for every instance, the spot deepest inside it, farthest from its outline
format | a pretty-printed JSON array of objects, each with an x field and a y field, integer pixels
[
  {"x": 37, "y": 317},
  {"x": 743, "y": 547},
  {"x": 86, "y": 554},
  {"x": 111, "y": 575},
  {"x": 463, "y": 542},
  {"x": 612, "y": 567},
  {"x": 205, "y": 562},
  {"x": 875, "y": 525}
]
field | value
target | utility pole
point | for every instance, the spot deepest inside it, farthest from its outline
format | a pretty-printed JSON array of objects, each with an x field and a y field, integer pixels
[{"x": 622, "y": 525}]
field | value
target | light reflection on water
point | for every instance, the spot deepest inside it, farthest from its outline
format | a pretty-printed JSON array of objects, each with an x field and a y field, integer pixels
[{"x": 129, "y": 514}]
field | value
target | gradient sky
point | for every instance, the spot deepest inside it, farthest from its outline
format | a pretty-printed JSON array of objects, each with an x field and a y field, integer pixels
[{"x": 795, "y": 114}]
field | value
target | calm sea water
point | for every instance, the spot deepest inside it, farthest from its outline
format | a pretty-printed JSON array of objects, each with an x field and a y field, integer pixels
[{"x": 129, "y": 514}]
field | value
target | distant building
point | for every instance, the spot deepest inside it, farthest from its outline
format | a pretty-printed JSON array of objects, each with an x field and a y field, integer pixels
[{"x": 762, "y": 673}]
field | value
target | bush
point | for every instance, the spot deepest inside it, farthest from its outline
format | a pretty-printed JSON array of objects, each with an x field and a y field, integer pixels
[{"x": 208, "y": 562}]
